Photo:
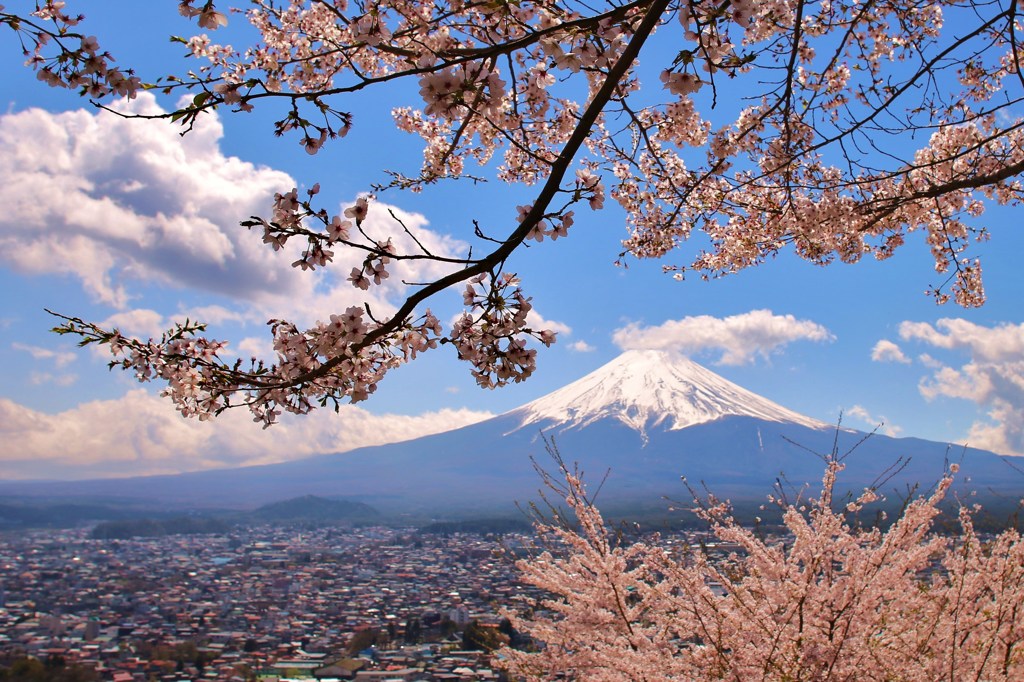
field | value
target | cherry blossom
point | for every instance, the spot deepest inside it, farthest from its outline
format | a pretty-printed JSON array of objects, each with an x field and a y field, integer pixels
[
  {"x": 860, "y": 129},
  {"x": 79, "y": 64},
  {"x": 358, "y": 211},
  {"x": 828, "y": 597},
  {"x": 211, "y": 19}
]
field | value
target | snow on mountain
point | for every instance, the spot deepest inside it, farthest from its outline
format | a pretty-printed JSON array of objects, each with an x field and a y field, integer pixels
[{"x": 648, "y": 388}]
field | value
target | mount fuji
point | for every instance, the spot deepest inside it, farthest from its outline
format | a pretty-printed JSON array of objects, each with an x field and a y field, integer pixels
[
  {"x": 648, "y": 417},
  {"x": 650, "y": 389}
]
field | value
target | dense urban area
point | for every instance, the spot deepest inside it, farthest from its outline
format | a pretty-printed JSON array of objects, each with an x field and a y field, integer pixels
[
  {"x": 260, "y": 603},
  {"x": 274, "y": 602}
]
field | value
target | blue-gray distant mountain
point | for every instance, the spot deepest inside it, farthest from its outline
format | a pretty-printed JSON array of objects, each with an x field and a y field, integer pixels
[{"x": 648, "y": 416}]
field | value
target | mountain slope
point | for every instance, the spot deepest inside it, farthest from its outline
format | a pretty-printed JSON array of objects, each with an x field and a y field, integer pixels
[{"x": 647, "y": 417}]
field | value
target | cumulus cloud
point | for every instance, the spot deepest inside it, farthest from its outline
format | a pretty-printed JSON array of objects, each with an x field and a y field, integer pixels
[
  {"x": 131, "y": 202},
  {"x": 872, "y": 421},
  {"x": 59, "y": 358},
  {"x": 143, "y": 435},
  {"x": 887, "y": 351},
  {"x": 40, "y": 378},
  {"x": 581, "y": 346},
  {"x": 535, "y": 320},
  {"x": 141, "y": 322},
  {"x": 990, "y": 344},
  {"x": 738, "y": 338},
  {"x": 993, "y": 377},
  {"x": 260, "y": 347}
]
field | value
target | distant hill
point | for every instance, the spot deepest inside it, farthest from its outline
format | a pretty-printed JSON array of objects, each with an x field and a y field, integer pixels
[
  {"x": 154, "y": 528},
  {"x": 20, "y": 514},
  {"x": 118, "y": 522},
  {"x": 315, "y": 509},
  {"x": 477, "y": 527}
]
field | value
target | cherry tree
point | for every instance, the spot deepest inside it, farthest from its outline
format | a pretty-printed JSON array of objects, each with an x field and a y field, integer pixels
[
  {"x": 831, "y": 128},
  {"x": 826, "y": 600}
]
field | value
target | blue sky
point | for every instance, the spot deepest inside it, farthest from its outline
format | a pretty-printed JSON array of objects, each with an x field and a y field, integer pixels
[{"x": 128, "y": 223}]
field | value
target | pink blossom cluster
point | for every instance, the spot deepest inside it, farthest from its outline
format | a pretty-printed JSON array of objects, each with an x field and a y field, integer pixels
[
  {"x": 79, "y": 63},
  {"x": 451, "y": 93},
  {"x": 374, "y": 268},
  {"x": 332, "y": 362},
  {"x": 191, "y": 366},
  {"x": 491, "y": 335},
  {"x": 206, "y": 15},
  {"x": 543, "y": 228},
  {"x": 830, "y": 599},
  {"x": 287, "y": 220}
]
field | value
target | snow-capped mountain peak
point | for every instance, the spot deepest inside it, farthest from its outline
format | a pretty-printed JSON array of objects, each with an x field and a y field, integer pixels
[{"x": 648, "y": 388}]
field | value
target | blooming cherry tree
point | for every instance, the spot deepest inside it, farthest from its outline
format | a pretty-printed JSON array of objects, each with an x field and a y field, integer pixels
[
  {"x": 835, "y": 129},
  {"x": 826, "y": 600}
]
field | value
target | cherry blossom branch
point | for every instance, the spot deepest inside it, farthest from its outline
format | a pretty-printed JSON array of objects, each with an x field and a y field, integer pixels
[
  {"x": 537, "y": 209},
  {"x": 815, "y": 157}
]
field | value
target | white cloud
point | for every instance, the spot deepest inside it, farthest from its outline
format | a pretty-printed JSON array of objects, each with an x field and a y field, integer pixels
[
  {"x": 260, "y": 347},
  {"x": 141, "y": 434},
  {"x": 1003, "y": 342},
  {"x": 993, "y": 377},
  {"x": 146, "y": 323},
  {"x": 215, "y": 314},
  {"x": 40, "y": 378},
  {"x": 59, "y": 358},
  {"x": 535, "y": 320},
  {"x": 995, "y": 435},
  {"x": 581, "y": 346},
  {"x": 131, "y": 202},
  {"x": 739, "y": 338},
  {"x": 871, "y": 421},
  {"x": 887, "y": 351},
  {"x": 140, "y": 322}
]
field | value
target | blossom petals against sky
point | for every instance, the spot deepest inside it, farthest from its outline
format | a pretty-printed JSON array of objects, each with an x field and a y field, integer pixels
[{"x": 129, "y": 223}]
